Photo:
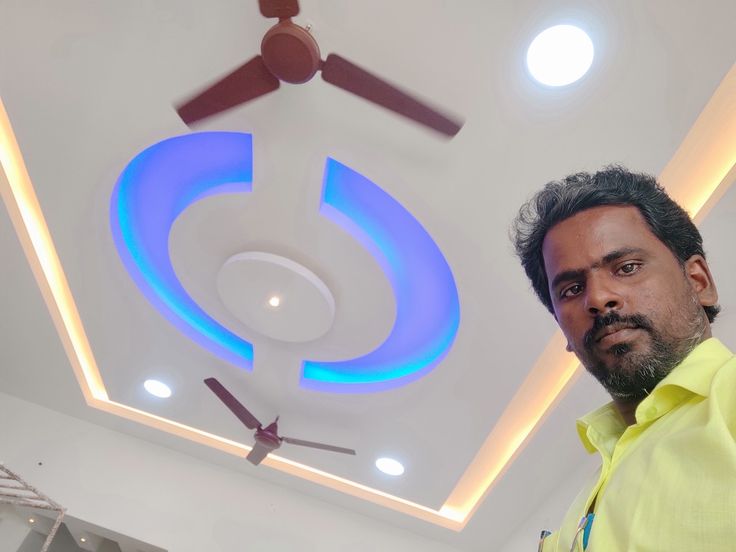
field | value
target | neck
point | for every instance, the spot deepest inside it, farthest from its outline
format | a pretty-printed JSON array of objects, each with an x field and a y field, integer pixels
[{"x": 627, "y": 410}]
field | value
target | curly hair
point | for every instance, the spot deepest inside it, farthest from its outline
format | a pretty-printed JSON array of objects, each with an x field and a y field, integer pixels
[{"x": 614, "y": 185}]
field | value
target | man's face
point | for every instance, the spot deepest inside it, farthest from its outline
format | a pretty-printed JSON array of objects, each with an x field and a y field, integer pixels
[{"x": 629, "y": 310}]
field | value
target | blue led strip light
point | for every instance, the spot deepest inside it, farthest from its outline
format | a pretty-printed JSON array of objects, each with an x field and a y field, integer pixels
[
  {"x": 427, "y": 306},
  {"x": 153, "y": 190}
]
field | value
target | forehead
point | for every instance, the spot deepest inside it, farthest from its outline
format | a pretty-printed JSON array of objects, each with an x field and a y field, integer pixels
[{"x": 585, "y": 238}]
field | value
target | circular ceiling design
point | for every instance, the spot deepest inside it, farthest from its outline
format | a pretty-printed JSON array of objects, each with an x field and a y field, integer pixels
[
  {"x": 162, "y": 181},
  {"x": 275, "y": 296}
]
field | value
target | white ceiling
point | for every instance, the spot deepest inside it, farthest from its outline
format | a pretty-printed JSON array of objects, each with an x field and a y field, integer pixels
[{"x": 87, "y": 85}]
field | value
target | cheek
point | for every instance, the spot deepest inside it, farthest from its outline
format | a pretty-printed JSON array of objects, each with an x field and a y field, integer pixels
[
  {"x": 648, "y": 299},
  {"x": 667, "y": 306},
  {"x": 573, "y": 327}
]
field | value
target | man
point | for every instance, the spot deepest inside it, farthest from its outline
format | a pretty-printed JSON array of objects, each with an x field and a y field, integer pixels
[{"x": 621, "y": 267}]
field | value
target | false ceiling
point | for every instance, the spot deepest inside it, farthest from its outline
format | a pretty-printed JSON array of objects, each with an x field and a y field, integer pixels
[{"x": 89, "y": 86}]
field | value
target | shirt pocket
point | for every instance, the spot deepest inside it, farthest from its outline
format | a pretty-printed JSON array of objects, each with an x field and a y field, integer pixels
[{"x": 550, "y": 543}]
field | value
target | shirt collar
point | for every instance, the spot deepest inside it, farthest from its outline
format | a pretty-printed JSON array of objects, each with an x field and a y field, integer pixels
[
  {"x": 692, "y": 376},
  {"x": 602, "y": 425},
  {"x": 696, "y": 371}
]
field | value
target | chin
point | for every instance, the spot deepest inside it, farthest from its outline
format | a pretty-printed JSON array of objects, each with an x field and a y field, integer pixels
[{"x": 620, "y": 350}]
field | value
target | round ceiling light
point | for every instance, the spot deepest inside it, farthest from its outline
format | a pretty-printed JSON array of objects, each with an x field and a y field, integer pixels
[
  {"x": 157, "y": 388},
  {"x": 389, "y": 466},
  {"x": 274, "y": 301},
  {"x": 560, "y": 55}
]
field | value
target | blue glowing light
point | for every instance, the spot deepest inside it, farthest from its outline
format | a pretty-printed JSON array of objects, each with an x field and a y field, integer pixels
[
  {"x": 166, "y": 178},
  {"x": 153, "y": 190},
  {"x": 427, "y": 306}
]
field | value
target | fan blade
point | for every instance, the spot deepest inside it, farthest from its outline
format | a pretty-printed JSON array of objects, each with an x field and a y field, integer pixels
[
  {"x": 344, "y": 74},
  {"x": 249, "y": 81},
  {"x": 322, "y": 446},
  {"x": 243, "y": 414},
  {"x": 282, "y": 9},
  {"x": 258, "y": 453}
]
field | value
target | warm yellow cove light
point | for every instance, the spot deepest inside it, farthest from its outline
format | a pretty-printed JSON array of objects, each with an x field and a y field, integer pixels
[
  {"x": 698, "y": 174},
  {"x": 25, "y": 213}
]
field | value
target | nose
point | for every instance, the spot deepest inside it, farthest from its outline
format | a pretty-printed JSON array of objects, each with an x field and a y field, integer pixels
[{"x": 601, "y": 295}]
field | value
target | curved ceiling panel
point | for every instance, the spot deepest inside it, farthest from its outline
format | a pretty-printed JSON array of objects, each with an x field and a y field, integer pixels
[
  {"x": 153, "y": 190},
  {"x": 427, "y": 306}
]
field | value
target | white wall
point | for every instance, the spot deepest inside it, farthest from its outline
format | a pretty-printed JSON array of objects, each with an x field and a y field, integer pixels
[
  {"x": 175, "y": 501},
  {"x": 63, "y": 542},
  {"x": 33, "y": 543},
  {"x": 13, "y": 529}
]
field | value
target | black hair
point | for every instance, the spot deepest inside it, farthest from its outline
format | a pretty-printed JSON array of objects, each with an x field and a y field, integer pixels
[{"x": 614, "y": 185}]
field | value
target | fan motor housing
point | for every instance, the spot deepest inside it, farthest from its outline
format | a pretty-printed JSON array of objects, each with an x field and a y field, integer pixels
[
  {"x": 268, "y": 439},
  {"x": 290, "y": 53}
]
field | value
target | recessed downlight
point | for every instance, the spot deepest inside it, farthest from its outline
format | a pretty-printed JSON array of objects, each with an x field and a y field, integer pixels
[
  {"x": 31, "y": 520},
  {"x": 389, "y": 466},
  {"x": 274, "y": 301},
  {"x": 157, "y": 388},
  {"x": 560, "y": 55}
]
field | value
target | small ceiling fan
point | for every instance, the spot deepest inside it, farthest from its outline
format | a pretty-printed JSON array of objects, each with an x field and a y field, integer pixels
[
  {"x": 290, "y": 54},
  {"x": 267, "y": 438}
]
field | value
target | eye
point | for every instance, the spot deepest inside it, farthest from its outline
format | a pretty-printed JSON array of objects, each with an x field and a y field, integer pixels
[
  {"x": 571, "y": 291},
  {"x": 629, "y": 268}
]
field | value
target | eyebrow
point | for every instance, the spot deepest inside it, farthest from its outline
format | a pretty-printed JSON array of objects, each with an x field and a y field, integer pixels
[{"x": 608, "y": 258}]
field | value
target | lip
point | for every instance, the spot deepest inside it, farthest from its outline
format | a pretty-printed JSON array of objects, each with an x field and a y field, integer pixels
[{"x": 611, "y": 336}]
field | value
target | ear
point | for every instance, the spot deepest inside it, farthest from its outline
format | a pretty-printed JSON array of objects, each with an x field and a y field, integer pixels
[
  {"x": 701, "y": 281},
  {"x": 568, "y": 348}
]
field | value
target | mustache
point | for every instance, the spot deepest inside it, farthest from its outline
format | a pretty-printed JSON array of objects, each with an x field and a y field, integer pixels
[{"x": 601, "y": 321}]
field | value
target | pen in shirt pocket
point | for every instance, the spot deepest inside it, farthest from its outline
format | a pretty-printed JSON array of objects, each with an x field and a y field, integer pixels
[{"x": 543, "y": 536}]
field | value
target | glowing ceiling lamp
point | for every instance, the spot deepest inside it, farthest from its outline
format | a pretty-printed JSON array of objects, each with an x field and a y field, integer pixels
[
  {"x": 157, "y": 388},
  {"x": 560, "y": 55},
  {"x": 389, "y": 466}
]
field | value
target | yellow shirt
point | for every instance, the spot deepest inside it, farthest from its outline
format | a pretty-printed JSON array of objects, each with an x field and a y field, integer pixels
[{"x": 668, "y": 482}]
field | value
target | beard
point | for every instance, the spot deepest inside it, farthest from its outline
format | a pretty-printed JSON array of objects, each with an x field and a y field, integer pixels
[{"x": 635, "y": 372}]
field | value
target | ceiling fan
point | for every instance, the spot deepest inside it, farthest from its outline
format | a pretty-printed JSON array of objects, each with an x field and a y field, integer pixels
[
  {"x": 267, "y": 438},
  {"x": 290, "y": 54}
]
